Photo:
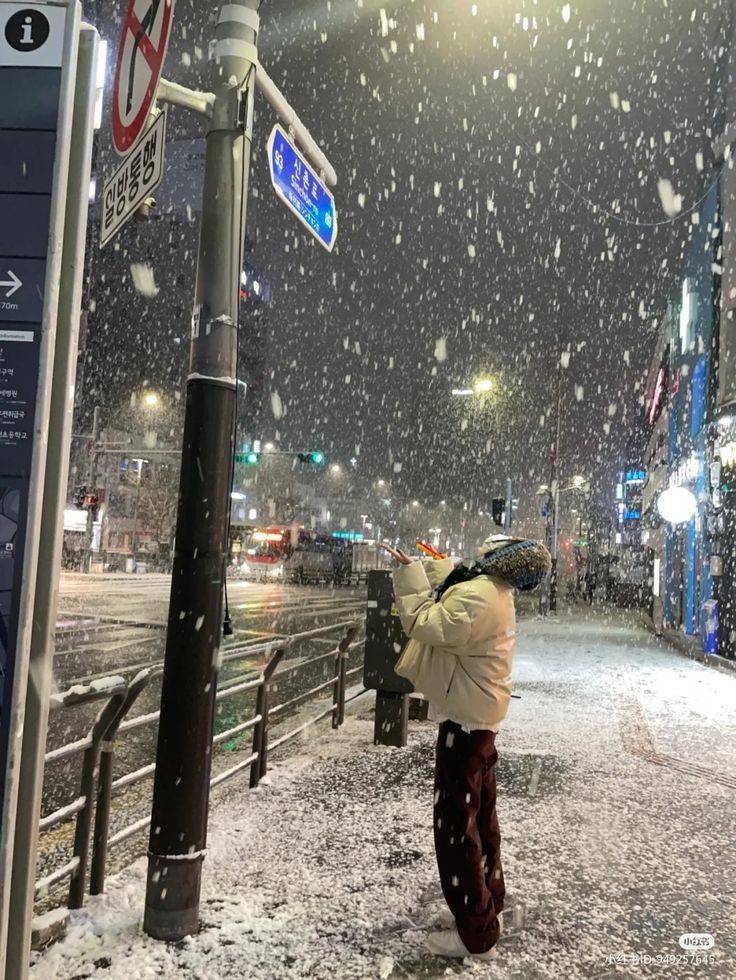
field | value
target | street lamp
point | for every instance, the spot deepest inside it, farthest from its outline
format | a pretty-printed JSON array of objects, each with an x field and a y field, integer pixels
[
  {"x": 677, "y": 505},
  {"x": 481, "y": 386},
  {"x": 151, "y": 399}
]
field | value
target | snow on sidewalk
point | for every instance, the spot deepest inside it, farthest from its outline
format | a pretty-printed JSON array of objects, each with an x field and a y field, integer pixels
[{"x": 321, "y": 872}]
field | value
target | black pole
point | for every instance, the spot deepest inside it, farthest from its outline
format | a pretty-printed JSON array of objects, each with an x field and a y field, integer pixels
[{"x": 178, "y": 835}]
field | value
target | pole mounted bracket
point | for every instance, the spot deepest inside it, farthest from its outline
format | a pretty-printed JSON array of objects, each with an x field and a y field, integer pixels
[
  {"x": 243, "y": 114},
  {"x": 201, "y": 103}
]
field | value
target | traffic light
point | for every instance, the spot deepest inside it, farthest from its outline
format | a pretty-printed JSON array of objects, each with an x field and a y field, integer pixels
[
  {"x": 249, "y": 459},
  {"x": 314, "y": 458},
  {"x": 498, "y": 508}
]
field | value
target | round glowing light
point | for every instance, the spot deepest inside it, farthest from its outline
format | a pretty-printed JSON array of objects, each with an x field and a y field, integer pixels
[
  {"x": 151, "y": 399},
  {"x": 677, "y": 505},
  {"x": 483, "y": 386}
]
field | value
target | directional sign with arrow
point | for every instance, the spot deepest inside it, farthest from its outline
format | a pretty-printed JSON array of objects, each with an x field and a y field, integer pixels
[
  {"x": 11, "y": 285},
  {"x": 21, "y": 290}
]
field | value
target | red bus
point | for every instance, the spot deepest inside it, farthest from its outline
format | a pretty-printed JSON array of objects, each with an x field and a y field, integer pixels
[
  {"x": 293, "y": 554},
  {"x": 264, "y": 551}
]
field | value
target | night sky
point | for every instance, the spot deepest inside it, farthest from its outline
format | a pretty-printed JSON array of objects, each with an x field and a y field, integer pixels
[{"x": 506, "y": 179}]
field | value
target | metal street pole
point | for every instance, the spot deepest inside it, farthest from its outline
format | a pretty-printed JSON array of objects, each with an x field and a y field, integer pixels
[
  {"x": 556, "y": 487},
  {"x": 555, "y": 539},
  {"x": 91, "y": 485},
  {"x": 134, "y": 537},
  {"x": 178, "y": 835}
]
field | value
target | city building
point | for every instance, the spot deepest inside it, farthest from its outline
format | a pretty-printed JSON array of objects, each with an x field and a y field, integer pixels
[{"x": 680, "y": 407}]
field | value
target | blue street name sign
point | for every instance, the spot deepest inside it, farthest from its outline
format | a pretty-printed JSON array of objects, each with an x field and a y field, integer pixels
[{"x": 301, "y": 189}]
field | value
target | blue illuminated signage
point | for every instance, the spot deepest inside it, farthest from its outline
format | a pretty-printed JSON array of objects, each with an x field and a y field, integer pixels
[
  {"x": 348, "y": 535},
  {"x": 301, "y": 189}
]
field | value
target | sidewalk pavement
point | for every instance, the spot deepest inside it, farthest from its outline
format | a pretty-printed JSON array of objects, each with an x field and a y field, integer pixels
[{"x": 616, "y": 798}]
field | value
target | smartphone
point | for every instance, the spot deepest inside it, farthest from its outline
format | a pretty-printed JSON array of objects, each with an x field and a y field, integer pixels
[{"x": 430, "y": 550}]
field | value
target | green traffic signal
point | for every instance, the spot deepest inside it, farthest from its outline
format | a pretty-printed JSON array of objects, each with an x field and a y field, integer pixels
[
  {"x": 250, "y": 459},
  {"x": 314, "y": 458}
]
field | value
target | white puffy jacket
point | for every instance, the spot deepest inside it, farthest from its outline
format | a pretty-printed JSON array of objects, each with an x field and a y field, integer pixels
[{"x": 461, "y": 648}]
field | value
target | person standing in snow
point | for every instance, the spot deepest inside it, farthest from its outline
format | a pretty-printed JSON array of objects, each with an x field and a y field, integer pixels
[{"x": 461, "y": 627}]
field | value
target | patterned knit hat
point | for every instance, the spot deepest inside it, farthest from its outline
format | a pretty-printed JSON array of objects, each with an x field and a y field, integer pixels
[{"x": 520, "y": 563}]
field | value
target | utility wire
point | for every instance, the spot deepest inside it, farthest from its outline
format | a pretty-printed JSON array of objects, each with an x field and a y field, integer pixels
[{"x": 599, "y": 209}]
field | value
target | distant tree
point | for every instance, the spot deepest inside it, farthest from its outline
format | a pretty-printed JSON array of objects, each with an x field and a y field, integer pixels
[{"x": 158, "y": 500}]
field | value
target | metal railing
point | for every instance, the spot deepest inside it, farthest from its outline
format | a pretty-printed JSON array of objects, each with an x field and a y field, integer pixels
[{"x": 94, "y": 805}]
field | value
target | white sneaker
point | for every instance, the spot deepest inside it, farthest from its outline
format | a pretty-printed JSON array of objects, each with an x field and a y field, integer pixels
[
  {"x": 445, "y": 919},
  {"x": 448, "y": 943}
]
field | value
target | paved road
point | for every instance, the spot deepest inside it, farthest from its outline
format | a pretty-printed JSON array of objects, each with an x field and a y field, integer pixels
[{"x": 116, "y": 623}]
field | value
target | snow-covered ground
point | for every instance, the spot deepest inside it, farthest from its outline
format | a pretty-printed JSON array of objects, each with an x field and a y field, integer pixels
[{"x": 616, "y": 802}]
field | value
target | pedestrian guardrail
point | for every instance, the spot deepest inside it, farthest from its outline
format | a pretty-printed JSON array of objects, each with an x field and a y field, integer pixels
[{"x": 93, "y": 807}]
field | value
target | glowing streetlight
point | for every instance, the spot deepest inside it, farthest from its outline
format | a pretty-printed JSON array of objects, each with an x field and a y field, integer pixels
[
  {"x": 336, "y": 469},
  {"x": 481, "y": 386},
  {"x": 151, "y": 399},
  {"x": 677, "y": 505}
]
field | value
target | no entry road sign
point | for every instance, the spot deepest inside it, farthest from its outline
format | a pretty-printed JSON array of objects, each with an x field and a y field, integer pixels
[
  {"x": 141, "y": 54},
  {"x": 301, "y": 189}
]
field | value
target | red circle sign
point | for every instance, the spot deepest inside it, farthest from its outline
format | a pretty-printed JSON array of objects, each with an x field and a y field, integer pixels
[{"x": 140, "y": 60}]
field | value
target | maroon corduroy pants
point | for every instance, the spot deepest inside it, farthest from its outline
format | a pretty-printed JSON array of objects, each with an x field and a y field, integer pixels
[{"x": 466, "y": 833}]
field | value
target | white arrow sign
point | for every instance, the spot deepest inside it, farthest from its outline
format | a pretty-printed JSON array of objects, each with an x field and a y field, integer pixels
[{"x": 13, "y": 284}]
